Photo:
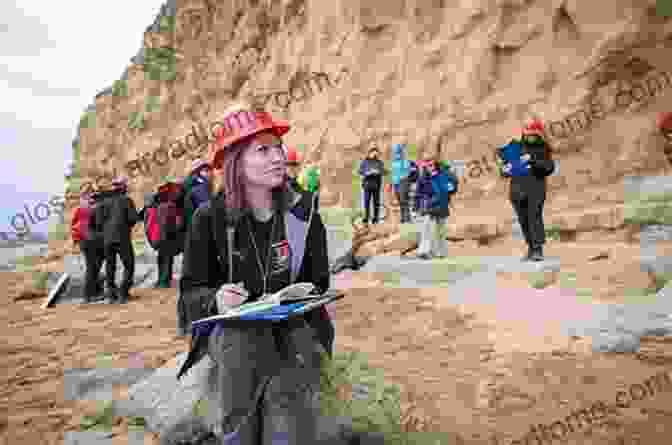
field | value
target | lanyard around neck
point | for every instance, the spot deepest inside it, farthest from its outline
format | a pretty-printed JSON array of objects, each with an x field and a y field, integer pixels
[{"x": 264, "y": 273}]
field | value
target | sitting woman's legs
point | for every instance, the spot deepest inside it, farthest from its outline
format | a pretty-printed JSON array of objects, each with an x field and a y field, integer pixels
[{"x": 244, "y": 357}]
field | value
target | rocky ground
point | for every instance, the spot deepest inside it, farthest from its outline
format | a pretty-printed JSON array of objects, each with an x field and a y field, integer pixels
[{"x": 480, "y": 349}]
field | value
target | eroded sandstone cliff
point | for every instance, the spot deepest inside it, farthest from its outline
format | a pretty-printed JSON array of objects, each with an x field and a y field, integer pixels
[{"x": 458, "y": 76}]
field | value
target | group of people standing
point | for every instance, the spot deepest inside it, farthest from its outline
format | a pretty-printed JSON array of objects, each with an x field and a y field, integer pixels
[
  {"x": 103, "y": 222},
  {"x": 434, "y": 183}
]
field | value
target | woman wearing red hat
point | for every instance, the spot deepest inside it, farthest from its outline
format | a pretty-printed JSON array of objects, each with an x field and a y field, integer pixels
[
  {"x": 664, "y": 124},
  {"x": 264, "y": 376},
  {"x": 528, "y": 193}
]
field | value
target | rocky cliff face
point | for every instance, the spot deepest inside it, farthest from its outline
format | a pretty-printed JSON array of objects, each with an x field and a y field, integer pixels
[{"x": 455, "y": 76}]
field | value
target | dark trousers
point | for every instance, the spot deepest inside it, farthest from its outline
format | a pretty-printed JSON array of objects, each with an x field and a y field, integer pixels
[
  {"x": 402, "y": 190},
  {"x": 369, "y": 195},
  {"x": 165, "y": 266},
  {"x": 93, "y": 258},
  {"x": 127, "y": 255},
  {"x": 530, "y": 212}
]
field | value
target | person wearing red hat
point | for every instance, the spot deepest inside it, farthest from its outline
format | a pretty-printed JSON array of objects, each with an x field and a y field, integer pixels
[
  {"x": 115, "y": 217},
  {"x": 255, "y": 236},
  {"x": 293, "y": 168},
  {"x": 664, "y": 124},
  {"x": 528, "y": 193}
]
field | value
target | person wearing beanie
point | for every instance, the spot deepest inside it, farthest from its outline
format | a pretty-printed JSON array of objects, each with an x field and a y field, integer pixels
[
  {"x": 276, "y": 238},
  {"x": 528, "y": 192},
  {"x": 195, "y": 190},
  {"x": 403, "y": 172},
  {"x": 114, "y": 218}
]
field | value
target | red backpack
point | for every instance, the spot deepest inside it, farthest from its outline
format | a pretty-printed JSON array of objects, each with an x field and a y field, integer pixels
[
  {"x": 167, "y": 212},
  {"x": 79, "y": 229}
]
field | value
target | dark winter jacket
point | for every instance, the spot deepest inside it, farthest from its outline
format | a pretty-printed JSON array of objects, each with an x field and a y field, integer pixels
[
  {"x": 372, "y": 171},
  {"x": 171, "y": 228},
  {"x": 533, "y": 185},
  {"x": 205, "y": 256},
  {"x": 423, "y": 191},
  {"x": 114, "y": 217}
]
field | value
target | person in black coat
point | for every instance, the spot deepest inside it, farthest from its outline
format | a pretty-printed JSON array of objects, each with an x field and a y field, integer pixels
[
  {"x": 171, "y": 231},
  {"x": 264, "y": 375},
  {"x": 372, "y": 170},
  {"x": 114, "y": 218},
  {"x": 528, "y": 193}
]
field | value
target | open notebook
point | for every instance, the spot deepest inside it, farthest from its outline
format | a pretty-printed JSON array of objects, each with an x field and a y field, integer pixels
[{"x": 292, "y": 300}]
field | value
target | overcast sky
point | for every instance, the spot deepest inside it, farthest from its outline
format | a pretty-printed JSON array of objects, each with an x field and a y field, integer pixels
[{"x": 54, "y": 58}]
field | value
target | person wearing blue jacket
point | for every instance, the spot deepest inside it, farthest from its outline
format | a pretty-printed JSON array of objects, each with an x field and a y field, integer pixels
[
  {"x": 435, "y": 185},
  {"x": 372, "y": 170},
  {"x": 403, "y": 172}
]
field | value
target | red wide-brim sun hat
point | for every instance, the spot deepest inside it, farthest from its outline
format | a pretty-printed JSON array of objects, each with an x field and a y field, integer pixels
[{"x": 239, "y": 125}]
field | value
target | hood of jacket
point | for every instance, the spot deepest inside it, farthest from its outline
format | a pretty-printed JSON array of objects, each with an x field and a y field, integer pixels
[{"x": 398, "y": 152}]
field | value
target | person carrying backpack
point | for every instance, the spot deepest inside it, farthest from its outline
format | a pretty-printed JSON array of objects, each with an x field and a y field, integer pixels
[
  {"x": 372, "y": 169},
  {"x": 436, "y": 185},
  {"x": 115, "y": 217},
  {"x": 403, "y": 172},
  {"x": 528, "y": 188},
  {"x": 164, "y": 227},
  {"x": 90, "y": 244},
  {"x": 256, "y": 236}
]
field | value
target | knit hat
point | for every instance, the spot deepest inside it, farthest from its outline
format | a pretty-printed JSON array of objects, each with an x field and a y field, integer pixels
[
  {"x": 238, "y": 125},
  {"x": 534, "y": 126},
  {"x": 197, "y": 165},
  {"x": 120, "y": 182}
]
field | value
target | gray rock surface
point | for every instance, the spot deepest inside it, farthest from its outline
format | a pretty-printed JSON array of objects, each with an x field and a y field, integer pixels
[
  {"x": 100, "y": 438},
  {"x": 164, "y": 400}
]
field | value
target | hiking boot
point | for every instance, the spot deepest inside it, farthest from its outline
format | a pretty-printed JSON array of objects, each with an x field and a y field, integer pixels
[
  {"x": 537, "y": 254},
  {"x": 122, "y": 298},
  {"x": 111, "y": 295}
]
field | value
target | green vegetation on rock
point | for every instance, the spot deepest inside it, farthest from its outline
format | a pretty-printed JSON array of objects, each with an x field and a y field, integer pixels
[
  {"x": 40, "y": 280},
  {"x": 136, "y": 120},
  {"x": 552, "y": 232},
  {"x": 160, "y": 63},
  {"x": 102, "y": 420},
  {"x": 88, "y": 120},
  {"x": 655, "y": 208},
  {"x": 120, "y": 88},
  {"x": 152, "y": 104},
  {"x": 167, "y": 24}
]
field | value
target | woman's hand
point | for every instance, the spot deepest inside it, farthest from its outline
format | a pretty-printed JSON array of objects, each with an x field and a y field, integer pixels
[{"x": 230, "y": 295}]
